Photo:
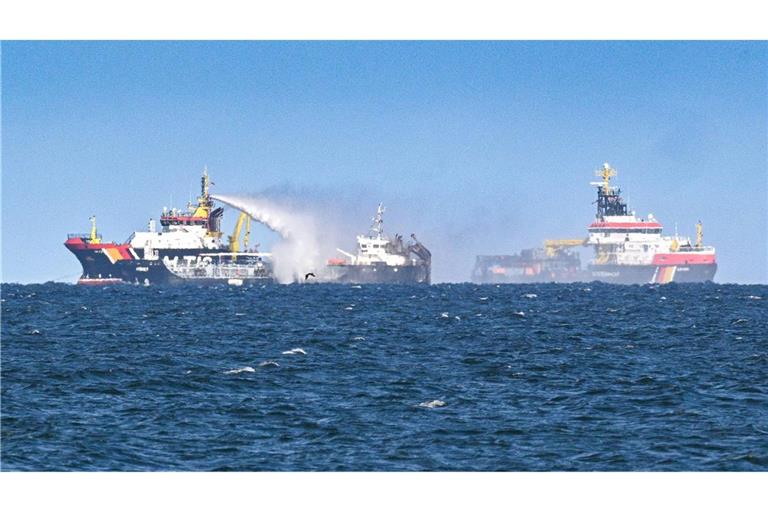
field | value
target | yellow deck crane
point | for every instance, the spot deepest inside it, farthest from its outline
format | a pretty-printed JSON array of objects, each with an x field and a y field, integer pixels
[
  {"x": 94, "y": 234},
  {"x": 234, "y": 240},
  {"x": 699, "y": 234},
  {"x": 555, "y": 246}
]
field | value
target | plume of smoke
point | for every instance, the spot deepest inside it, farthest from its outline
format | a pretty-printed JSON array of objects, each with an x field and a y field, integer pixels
[
  {"x": 301, "y": 249},
  {"x": 313, "y": 223}
]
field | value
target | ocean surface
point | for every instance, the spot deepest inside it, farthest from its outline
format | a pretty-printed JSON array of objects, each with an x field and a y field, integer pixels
[{"x": 579, "y": 377}]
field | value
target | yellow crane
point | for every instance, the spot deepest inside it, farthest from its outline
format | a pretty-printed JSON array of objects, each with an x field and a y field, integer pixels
[
  {"x": 553, "y": 246},
  {"x": 94, "y": 235},
  {"x": 234, "y": 240},
  {"x": 699, "y": 234},
  {"x": 247, "y": 235}
]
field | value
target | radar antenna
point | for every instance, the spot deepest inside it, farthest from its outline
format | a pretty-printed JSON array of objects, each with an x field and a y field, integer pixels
[
  {"x": 609, "y": 201},
  {"x": 607, "y": 172},
  {"x": 204, "y": 202}
]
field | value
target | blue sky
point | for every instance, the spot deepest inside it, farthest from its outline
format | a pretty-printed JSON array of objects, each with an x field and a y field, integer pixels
[{"x": 479, "y": 147}]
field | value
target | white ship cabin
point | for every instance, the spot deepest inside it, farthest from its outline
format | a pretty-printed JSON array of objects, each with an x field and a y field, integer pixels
[
  {"x": 177, "y": 232},
  {"x": 197, "y": 227},
  {"x": 375, "y": 248},
  {"x": 614, "y": 224},
  {"x": 619, "y": 236},
  {"x": 621, "y": 229}
]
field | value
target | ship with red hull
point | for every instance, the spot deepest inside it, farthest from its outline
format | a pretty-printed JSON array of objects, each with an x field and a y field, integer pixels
[
  {"x": 632, "y": 250},
  {"x": 626, "y": 250},
  {"x": 187, "y": 248}
]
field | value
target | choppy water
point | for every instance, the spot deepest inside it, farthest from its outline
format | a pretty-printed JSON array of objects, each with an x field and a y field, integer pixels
[{"x": 449, "y": 377}]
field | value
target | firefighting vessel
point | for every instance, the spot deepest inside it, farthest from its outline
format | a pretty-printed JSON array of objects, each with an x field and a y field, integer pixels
[
  {"x": 627, "y": 250},
  {"x": 382, "y": 259},
  {"x": 188, "y": 248}
]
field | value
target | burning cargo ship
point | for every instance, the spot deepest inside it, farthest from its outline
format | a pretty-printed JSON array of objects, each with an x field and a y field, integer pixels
[
  {"x": 381, "y": 259},
  {"x": 627, "y": 250},
  {"x": 556, "y": 262},
  {"x": 187, "y": 249}
]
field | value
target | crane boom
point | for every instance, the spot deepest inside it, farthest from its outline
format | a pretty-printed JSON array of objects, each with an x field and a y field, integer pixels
[
  {"x": 234, "y": 240},
  {"x": 553, "y": 246},
  {"x": 247, "y": 235},
  {"x": 699, "y": 234}
]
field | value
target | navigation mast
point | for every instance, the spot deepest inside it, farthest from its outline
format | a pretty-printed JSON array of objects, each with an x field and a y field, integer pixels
[{"x": 377, "y": 228}]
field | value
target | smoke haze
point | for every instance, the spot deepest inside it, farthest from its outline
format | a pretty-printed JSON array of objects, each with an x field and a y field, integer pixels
[
  {"x": 301, "y": 248},
  {"x": 313, "y": 223},
  {"x": 476, "y": 147}
]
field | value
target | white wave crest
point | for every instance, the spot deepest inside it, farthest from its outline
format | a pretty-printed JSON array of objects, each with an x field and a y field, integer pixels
[
  {"x": 431, "y": 404},
  {"x": 240, "y": 370}
]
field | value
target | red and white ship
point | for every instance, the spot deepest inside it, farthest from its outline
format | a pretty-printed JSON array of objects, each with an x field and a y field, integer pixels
[
  {"x": 186, "y": 249},
  {"x": 629, "y": 250}
]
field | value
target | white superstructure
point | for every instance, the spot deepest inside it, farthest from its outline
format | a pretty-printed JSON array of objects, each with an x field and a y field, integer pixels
[
  {"x": 177, "y": 233},
  {"x": 376, "y": 248},
  {"x": 382, "y": 259},
  {"x": 619, "y": 237}
]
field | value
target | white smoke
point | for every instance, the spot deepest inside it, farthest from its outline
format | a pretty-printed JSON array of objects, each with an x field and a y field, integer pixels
[{"x": 300, "y": 250}]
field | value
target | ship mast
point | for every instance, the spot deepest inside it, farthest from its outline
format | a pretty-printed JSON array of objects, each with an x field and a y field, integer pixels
[
  {"x": 205, "y": 181},
  {"x": 94, "y": 234},
  {"x": 607, "y": 172},
  {"x": 204, "y": 202},
  {"x": 377, "y": 228},
  {"x": 609, "y": 201}
]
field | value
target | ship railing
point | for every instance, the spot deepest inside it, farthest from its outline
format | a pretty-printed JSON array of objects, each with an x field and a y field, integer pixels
[
  {"x": 85, "y": 236},
  {"x": 221, "y": 254},
  {"x": 693, "y": 248},
  {"x": 219, "y": 270}
]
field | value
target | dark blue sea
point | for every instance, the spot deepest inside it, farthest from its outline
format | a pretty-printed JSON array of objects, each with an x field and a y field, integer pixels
[{"x": 583, "y": 377}]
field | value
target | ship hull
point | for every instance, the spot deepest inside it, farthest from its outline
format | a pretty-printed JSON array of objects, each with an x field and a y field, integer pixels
[
  {"x": 379, "y": 274},
  {"x": 529, "y": 266},
  {"x": 617, "y": 274},
  {"x": 573, "y": 277},
  {"x": 118, "y": 265},
  {"x": 660, "y": 274},
  {"x": 99, "y": 270}
]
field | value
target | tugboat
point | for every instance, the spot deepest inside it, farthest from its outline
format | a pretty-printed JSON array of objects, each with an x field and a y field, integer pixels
[
  {"x": 381, "y": 259},
  {"x": 629, "y": 250},
  {"x": 188, "y": 248}
]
